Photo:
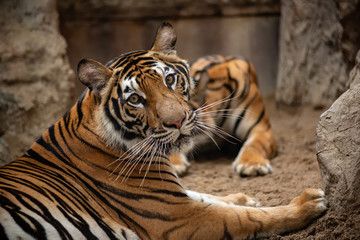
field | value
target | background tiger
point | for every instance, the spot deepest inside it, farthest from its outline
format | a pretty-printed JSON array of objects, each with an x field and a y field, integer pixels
[
  {"x": 226, "y": 89},
  {"x": 102, "y": 171}
]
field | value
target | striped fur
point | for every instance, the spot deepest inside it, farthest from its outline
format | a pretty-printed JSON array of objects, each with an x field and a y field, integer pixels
[
  {"x": 102, "y": 171},
  {"x": 227, "y": 91}
]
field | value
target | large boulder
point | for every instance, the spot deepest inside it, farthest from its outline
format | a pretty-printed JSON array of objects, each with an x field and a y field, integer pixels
[
  {"x": 36, "y": 81},
  {"x": 338, "y": 149}
]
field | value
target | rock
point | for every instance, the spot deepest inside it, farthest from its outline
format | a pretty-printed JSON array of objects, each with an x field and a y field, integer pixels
[
  {"x": 7, "y": 102},
  {"x": 354, "y": 78},
  {"x": 317, "y": 41},
  {"x": 35, "y": 74},
  {"x": 338, "y": 150},
  {"x": 4, "y": 152}
]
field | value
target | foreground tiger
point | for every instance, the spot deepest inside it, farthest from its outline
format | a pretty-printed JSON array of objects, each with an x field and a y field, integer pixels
[
  {"x": 103, "y": 172},
  {"x": 226, "y": 89}
]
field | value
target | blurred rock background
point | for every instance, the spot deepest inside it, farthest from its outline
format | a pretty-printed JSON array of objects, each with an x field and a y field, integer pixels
[{"x": 36, "y": 81}]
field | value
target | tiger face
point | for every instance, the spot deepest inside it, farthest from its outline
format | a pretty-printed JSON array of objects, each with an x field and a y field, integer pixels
[{"x": 143, "y": 98}]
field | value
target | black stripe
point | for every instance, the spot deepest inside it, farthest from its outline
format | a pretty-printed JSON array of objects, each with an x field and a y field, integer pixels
[
  {"x": 124, "y": 58},
  {"x": 66, "y": 120},
  {"x": 134, "y": 62},
  {"x": 3, "y": 233},
  {"x": 78, "y": 157},
  {"x": 78, "y": 107},
  {"x": 51, "y": 149},
  {"x": 261, "y": 225},
  {"x": 226, "y": 233},
  {"x": 241, "y": 117},
  {"x": 180, "y": 67},
  {"x": 19, "y": 216},
  {"x": 55, "y": 143},
  {"x": 167, "y": 233},
  {"x": 127, "y": 135},
  {"x": 120, "y": 94},
  {"x": 233, "y": 81},
  {"x": 246, "y": 88},
  {"x": 123, "y": 233},
  {"x": 22, "y": 182},
  {"x": 78, "y": 222},
  {"x": 257, "y": 121},
  {"x": 125, "y": 218}
]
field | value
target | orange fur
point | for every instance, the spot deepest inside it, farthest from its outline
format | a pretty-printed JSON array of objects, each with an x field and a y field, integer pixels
[{"x": 94, "y": 175}]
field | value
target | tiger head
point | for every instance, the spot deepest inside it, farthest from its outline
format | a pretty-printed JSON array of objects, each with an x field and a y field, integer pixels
[{"x": 142, "y": 97}]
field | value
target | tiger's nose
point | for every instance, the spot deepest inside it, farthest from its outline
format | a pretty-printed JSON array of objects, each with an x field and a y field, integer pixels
[{"x": 175, "y": 124}]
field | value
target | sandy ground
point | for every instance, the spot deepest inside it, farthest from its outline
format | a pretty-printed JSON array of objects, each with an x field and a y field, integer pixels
[{"x": 295, "y": 168}]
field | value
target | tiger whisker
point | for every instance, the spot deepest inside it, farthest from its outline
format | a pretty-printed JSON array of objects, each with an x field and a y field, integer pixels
[
  {"x": 218, "y": 110},
  {"x": 130, "y": 155},
  {"x": 206, "y": 106},
  {"x": 152, "y": 157},
  {"x": 230, "y": 111},
  {"x": 209, "y": 135},
  {"x": 145, "y": 151},
  {"x": 133, "y": 157},
  {"x": 129, "y": 150},
  {"x": 149, "y": 160},
  {"x": 220, "y": 115},
  {"x": 227, "y": 98},
  {"x": 217, "y": 131},
  {"x": 162, "y": 152}
]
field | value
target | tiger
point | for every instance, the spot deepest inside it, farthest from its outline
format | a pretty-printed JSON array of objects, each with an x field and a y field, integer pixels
[
  {"x": 102, "y": 171},
  {"x": 227, "y": 89}
]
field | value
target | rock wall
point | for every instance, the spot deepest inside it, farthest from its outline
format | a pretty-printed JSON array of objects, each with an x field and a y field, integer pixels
[
  {"x": 36, "y": 81},
  {"x": 318, "y": 40},
  {"x": 338, "y": 141}
]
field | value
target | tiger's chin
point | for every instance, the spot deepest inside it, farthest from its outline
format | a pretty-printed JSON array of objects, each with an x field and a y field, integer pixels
[{"x": 183, "y": 144}]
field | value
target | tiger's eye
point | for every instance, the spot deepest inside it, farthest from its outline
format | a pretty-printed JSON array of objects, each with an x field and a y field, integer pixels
[
  {"x": 170, "y": 79},
  {"x": 134, "y": 98}
]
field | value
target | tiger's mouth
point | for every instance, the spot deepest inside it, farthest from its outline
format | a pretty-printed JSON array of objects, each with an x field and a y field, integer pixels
[
  {"x": 176, "y": 141},
  {"x": 182, "y": 144}
]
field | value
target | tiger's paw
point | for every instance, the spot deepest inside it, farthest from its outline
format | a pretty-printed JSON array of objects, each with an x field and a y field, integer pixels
[
  {"x": 180, "y": 164},
  {"x": 254, "y": 167},
  {"x": 311, "y": 203}
]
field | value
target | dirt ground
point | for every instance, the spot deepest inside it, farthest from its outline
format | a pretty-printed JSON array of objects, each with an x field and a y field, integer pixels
[{"x": 295, "y": 168}]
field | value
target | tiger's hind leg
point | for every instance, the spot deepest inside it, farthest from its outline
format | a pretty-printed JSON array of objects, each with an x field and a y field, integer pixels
[
  {"x": 180, "y": 164},
  {"x": 240, "y": 199}
]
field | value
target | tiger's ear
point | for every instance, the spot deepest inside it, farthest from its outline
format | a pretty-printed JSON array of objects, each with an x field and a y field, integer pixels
[
  {"x": 93, "y": 74},
  {"x": 165, "y": 39}
]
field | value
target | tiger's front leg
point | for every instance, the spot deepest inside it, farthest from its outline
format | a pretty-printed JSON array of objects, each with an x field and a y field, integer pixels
[
  {"x": 213, "y": 221},
  {"x": 253, "y": 158},
  {"x": 180, "y": 163}
]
